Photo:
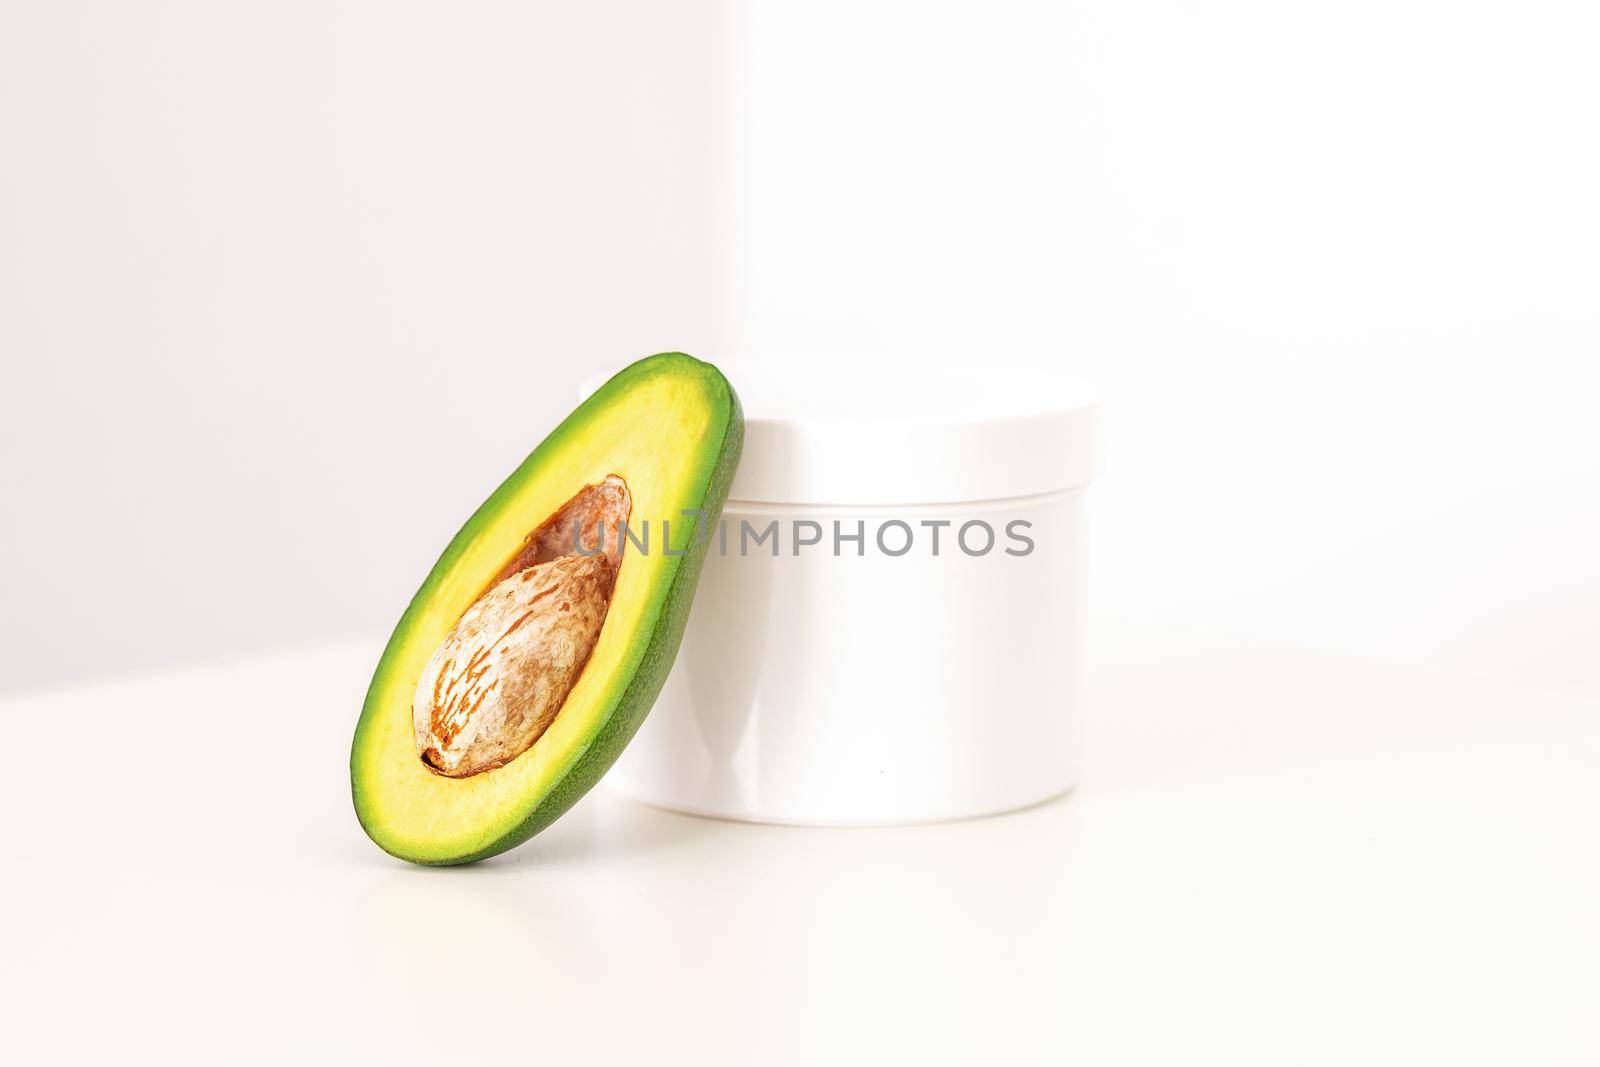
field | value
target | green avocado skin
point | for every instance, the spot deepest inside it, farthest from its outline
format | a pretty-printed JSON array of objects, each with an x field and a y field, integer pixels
[{"x": 653, "y": 666}]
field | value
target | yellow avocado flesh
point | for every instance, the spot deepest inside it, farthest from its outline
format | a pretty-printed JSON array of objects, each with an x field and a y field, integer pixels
[{"x": 669, "y": 427}]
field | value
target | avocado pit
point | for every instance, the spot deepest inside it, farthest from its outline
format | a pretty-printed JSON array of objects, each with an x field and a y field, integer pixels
[{"x": 503, "y": 672}]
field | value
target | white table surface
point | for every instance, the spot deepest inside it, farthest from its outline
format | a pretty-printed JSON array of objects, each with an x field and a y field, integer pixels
[{"x": 1276, "y": 857}]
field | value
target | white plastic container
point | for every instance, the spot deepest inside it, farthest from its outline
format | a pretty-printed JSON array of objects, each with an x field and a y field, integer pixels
[{"x": 889, "y": 679}]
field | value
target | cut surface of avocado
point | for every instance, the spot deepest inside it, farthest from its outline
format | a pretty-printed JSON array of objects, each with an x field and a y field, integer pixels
[{"x": 542, "y": 636}]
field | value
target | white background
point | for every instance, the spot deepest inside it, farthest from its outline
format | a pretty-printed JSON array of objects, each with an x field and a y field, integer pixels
[{"x": 285, "y": 289}]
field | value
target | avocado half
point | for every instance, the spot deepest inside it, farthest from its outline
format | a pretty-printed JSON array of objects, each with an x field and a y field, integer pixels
[{"x": 669, "y": 430}]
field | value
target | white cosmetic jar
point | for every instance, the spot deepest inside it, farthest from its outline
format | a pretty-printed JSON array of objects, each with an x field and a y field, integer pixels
[{"x": 889, "y": 624}]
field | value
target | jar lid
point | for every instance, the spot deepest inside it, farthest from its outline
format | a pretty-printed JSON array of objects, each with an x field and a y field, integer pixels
[{"x": 861, "y": 433}]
